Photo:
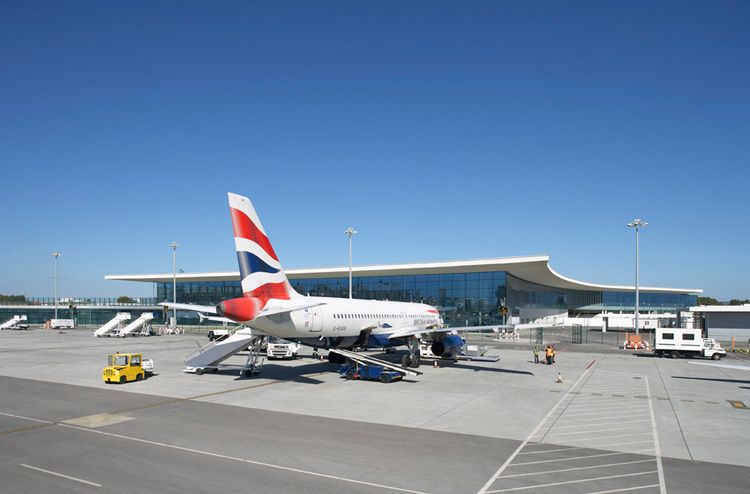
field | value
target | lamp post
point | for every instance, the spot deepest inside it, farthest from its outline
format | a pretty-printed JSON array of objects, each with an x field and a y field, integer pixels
[
  {"x": 174, "y": 246},
  {"x": 637, "y": 224},
  {"x": 350, "y": 232},
  {"x": 56, "y": 255}
]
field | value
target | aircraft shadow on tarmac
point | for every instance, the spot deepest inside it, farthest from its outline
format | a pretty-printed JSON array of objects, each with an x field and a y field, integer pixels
[
  {"x": 279, "y": 372},
  {"x": 477, "y": 368},
  {"x": 717, "y": 379}
]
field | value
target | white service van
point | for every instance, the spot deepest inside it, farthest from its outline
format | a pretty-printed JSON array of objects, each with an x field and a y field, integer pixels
[
  {"x": 278, "y": 348},
  {"x": 684, "y": 342}
]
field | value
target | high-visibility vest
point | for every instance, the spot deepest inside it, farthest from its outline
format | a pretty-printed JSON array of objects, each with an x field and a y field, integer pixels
[{"x": 549, "y": 352}]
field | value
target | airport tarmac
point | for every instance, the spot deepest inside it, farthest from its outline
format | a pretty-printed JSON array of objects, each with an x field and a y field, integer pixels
[{"x": 617, "y": 423}]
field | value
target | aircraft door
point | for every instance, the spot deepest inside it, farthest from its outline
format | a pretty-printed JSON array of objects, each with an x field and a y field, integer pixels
[{"x": 313, "y": 320}]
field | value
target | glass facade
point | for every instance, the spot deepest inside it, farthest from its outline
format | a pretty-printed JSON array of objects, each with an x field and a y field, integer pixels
[{"x": 461, "y": 298}]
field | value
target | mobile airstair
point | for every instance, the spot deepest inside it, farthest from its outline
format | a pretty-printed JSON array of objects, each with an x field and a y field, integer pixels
[
  {"x": 14, "y": 323},
  {"x": 132, "y": 328},
  {"x": 208, "y": 357},
  {"x": 112, "y": 325}
]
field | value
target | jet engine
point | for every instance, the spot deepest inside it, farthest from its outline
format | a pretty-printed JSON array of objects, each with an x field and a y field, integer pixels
[
  {"x": 240, "y": 309},
  {"x": 449, "y": 346}
]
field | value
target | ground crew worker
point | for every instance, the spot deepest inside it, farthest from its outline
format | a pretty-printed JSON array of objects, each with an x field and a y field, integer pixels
[
  {"x": 554, "y": 352},
  {"x": 548, "y": 352},
  {"x": 536, "y": 354}
]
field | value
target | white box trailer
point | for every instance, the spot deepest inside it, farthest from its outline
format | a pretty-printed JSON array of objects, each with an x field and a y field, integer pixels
[
  {"x": 686, "y": 342},
  {"x": 62, "y": 324}
]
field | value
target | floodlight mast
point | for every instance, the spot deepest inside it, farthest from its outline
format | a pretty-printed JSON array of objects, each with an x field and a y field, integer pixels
[
  {"x": 350, "y": 232},
  {"x": 174, "y": 246},
  {"x": 56, "y": 255},
  {"x": 637, "y": 224}
]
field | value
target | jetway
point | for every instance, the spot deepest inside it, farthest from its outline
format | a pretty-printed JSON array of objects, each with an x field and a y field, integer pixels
[
  {"x": 136, "y": 325},
  {"x": 13, "y": 322},
  {"x": 112, "y": 325},
  {"x": 209, "y": 356}
]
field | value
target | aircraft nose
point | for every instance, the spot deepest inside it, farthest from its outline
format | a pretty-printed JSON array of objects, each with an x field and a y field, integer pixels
[{"x": 220, "y": 309}]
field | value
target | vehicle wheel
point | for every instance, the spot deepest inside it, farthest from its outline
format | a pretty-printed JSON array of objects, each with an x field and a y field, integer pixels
[
  {"x": 138, "y": 377},
  {"x": 415, "y": 361},
  {"x": 248, "y": 373},
  {"x": 199, "y": 371},
  {"x": 406, "y": 361},
  {"x": 715, "y": 356},
  {"x": 385, "y": 378},
  {"x": 123, "y": 380},
  {"x": 675, "y": 354},
  {"x": 350, "y": 375}
]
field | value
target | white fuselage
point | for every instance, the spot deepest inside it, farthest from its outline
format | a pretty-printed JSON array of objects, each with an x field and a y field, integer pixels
[{"x": 339, "y": 321}]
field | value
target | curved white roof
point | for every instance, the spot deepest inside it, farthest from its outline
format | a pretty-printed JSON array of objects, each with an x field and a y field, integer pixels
[{"x": 535, "y": 269}]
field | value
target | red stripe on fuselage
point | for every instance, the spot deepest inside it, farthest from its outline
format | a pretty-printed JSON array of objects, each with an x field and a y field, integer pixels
[
  {"x": 245, "y": 228},
  {"x": 433, "y": 311},
  {"x": 269, "y": 291}
]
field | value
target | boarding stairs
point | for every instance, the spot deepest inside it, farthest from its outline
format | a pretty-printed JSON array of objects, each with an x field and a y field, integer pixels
[
  {"x": 135, "y": 326},
  {"x": 12, "y": 322},
  {"x": 112, "y": 325},
  {"x": 209, "y": 356}
]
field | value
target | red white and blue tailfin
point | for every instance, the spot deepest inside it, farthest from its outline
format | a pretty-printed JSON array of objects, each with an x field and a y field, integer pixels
[{"x": 261, "y": 274}]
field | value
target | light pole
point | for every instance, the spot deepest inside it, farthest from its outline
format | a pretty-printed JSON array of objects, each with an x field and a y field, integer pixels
[
  {"x": 174, "y": 246},
  {"x": 56, "y": 255},
  {"x": 637, "y": 224},
  {"x": 350, "y": 232}
]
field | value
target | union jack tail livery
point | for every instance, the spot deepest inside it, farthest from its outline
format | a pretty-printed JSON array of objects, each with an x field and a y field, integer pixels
[{"x": 261, "y": 274}]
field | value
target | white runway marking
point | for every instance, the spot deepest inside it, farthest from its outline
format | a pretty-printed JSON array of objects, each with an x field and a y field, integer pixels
[
  {"x": 502, "y": 468},
  {"x": 619, "y": 411},
  {"x": 572, "y": 482},
  {"x": 625, "y": 489},
  {"x": 60, "y": 475},
  {"x": 26, "y": 418},
  {"x": 566, "y": 459},
  {"x": 585, "y": 409},
  {"x": 243, "y": 460},
  {"x": 657, "y": 449},
  {"x": 601, "y": 437},
  {"x": 547, "y": 451},
  {"x": 589, "y": 424},
  {"x": 587, "y": 431},
  {"x": 576, "y": 468}
]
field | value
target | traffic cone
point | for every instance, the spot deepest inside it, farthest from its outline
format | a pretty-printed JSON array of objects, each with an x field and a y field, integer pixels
[{"x": 559, "y": 378}]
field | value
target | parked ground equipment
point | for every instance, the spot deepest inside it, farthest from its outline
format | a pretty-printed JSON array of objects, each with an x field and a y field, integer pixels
[
  {"x": 682, "y": 342},
  {"x": 278, "y": 348},
  {"x": 634, "y": 342},
  {"x": 126, "y": 367},
  {"x": 369, "y": 372}
]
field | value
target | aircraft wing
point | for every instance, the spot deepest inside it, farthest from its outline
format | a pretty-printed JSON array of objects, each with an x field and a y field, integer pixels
[
  {"x": 418, "y": 332},
  {"x": 211, "y": 309},
  {"x": 727, "y": 366}
]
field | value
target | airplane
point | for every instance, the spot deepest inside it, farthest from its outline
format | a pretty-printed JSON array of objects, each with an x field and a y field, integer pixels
[{"x": 271, "y": 306}]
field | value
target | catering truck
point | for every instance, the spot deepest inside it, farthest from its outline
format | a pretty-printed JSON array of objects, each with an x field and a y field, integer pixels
[{"x": 683, "y": 342}]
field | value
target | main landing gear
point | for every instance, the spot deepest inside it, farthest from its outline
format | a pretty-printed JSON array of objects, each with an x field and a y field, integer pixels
[{"x": 412, "y": 359}]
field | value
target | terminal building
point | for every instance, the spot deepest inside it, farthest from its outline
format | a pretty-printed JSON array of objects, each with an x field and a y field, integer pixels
[{"x": 470, "y": 292}]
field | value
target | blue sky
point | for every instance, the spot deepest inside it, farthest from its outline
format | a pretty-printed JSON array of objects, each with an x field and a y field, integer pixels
[{"x": 440, "y": 130}]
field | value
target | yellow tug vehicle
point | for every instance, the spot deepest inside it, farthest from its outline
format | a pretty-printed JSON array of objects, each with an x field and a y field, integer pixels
[{"x": 126, "y": 367}]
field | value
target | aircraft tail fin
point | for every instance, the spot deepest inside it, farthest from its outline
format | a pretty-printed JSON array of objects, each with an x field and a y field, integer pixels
[{"x": 261, "y": 274}]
